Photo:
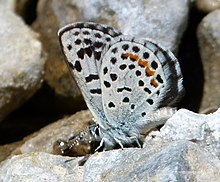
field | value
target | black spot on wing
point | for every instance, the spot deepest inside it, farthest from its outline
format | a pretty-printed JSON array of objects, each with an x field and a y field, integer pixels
[
  {"x": 123, "y": 57},
  {"x": 146, "y": 55},
  {"x": 69, "y": 47},
  {"x": 88, "y": 51},
  {"x": 87, "y": 41},
  {"x": 126, "y": 99},
  {"x": 91, "y": 77},
  {"x": 113, "y": 60},
  {"x": 158, "y": 92},
  {"x": 105, "y": 70},
  {"x": 150, "y": 101},
  {"x": 98, "y": 44},
  {"x": 159, "y": 79},
  {"x": 154, "y": 65},
  {"x": 147, "y": 90},
  {"x": 86, "y": 32},
  {"x": 113, "y": 76},
  {"x": 76, "y": 33},
  {"x": 125, "y": 47},
  {"x": 138, "y": 73},
  {"x": 141, "y": 83},
  {"x": 131, "y": 66},
  {"x": 78, "y": 41},
  {"x": 135, "y": 49},
  {"x": 124, "y": 88},
  {"x": 95, "y": 91},
  {"x": 122, "y": 66},
  {"x": 107, "y": 39},
  {"x": 97, "y": 55},
  {"x": 111, "y": 104},
  {"x": 107, "y": 84},
  {"x": 132, "y": 106},
  {"x": 115, "y": 50},
  {"x": 80, "y": 53},
  {"x": 97, "y": 35},
  {"x": 78, "y": 66}
]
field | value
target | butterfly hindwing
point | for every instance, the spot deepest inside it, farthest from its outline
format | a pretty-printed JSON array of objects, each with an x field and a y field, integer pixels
[{"x": 134, "y": 80}]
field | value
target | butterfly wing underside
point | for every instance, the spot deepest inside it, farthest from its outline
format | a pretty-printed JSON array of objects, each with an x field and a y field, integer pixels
[
  {"x": 137, "y": 78},
  {"x": 83, "y": 45}
]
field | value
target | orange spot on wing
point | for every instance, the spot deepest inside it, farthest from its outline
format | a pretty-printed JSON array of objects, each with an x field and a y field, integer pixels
[
  {"x": 154, "y": 83},
  {"x": 131, "y": 56},
  {"x": 141, "y": 62}
]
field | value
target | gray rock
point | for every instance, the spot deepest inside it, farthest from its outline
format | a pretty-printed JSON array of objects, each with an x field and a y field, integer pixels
[
  {"x": 21, "y": 61},
  {"x": 199, "y": 128},
  {"x": 10, "y": 4},
  {"x": 44, "y": 139},
  {"x": 207, "y": 6},
  {"x": 153, "y": 19},
  {"x": 160, "y": 161},
  {"x": 35, "y": 167},
  {"x": 209, "y": 43},
  {"x": 164, "y": 21}
]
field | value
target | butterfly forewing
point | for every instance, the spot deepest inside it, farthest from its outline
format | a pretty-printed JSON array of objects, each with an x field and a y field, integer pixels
[{"x": 84, "y": 45}]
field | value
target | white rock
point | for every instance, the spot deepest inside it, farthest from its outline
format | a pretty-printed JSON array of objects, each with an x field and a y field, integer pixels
[
  {"x": 160, "y": 161},
  {"x": 200, "y": 128}
]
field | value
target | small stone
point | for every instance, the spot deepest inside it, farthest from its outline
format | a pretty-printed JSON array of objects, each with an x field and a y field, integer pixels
[
  {"x": 207, "y": 6},
  {"x": 209, "y": 44},
  {"x": 21, "y": 60}
]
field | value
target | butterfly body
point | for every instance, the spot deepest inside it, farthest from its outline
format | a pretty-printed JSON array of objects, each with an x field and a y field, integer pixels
[{"x": 128, "y": 84}]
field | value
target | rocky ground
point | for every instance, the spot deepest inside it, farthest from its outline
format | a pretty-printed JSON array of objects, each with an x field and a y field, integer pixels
[{"x": 39, "y": 100}]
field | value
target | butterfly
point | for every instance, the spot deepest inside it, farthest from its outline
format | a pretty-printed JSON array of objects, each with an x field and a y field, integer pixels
[{"x": 129, "y": 84}]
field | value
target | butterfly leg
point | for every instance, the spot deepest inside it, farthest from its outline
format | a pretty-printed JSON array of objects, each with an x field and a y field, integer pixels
[{"x": 119, "y": 142}]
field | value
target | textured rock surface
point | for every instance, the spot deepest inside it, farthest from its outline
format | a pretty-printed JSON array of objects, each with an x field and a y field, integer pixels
[
  {"x": 154, "y": 19},
  {"x": 160, "y": 161},
  {"x": 43, "y": 140},
  {"x": 199, "y": 128},
  {"x": 21, "y": 63},
  {"x": 177, "y": 161},
  {"x": 7, "y": 149},
  {"x": 10, "y": 4},
  {"x": 208, "y": 5},
  {"x": 209, "y": 42},
  {"x": 166, "y": 156},
  {"x": 36, "y": 167}
]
